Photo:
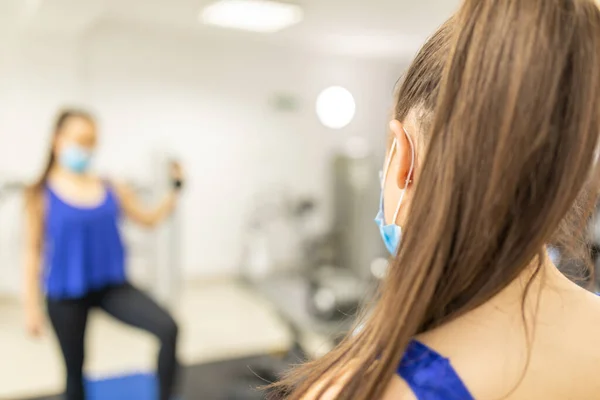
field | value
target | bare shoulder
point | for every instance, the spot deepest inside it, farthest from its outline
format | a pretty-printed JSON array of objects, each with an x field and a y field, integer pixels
[
  {"x": 397, "y": 389},
  {"x": 35, "y": 207},
  {"x": 580, "y": 310},
  {"x": 584, "y": 321},
  {"x": 117, "y": 186},
  {"x": 123, "y": 191},
  {"x": 34, "y": 200},
  {"x": 568, "y": 346},
  {"x": 332, "y": 392},
  {"x": 488, "y": 351}
]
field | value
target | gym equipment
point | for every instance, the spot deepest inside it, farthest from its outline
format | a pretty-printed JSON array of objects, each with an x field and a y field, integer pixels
[
  {"x": 335, "y": 293},
  {"x": 578, "y": 270},
  {"x": 339, "y": 265},
  {"x": 246, "y": 384},
  {"x": 356, "y": 194},
  {"x": 338, "y": 286},
  {"x": 274, "y": 235}
]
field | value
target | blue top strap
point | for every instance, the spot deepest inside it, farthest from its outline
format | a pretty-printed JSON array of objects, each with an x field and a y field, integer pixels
[{"x": 431, "y": 376}]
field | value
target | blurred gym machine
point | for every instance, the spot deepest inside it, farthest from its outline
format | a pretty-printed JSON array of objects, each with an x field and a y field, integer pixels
[
  {"x": 167, "y": 238},
  {"x": 338, "y": 285},
  {"x": 339, "y": 265},
  {"x": 579, "y": 270}
]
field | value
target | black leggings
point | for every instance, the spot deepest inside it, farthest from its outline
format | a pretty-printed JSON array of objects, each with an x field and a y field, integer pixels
[{"x": 127, "y": 304}]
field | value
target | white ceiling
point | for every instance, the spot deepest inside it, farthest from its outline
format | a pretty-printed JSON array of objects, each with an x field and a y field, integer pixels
[{"x": 355, "y": 27}]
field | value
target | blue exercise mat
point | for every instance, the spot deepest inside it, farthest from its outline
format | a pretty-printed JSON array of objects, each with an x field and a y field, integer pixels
[{"x": 129, "y": 387}]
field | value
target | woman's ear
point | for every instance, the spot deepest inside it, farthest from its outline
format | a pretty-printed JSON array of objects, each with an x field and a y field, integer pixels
[{"x": 405, "y": 154}]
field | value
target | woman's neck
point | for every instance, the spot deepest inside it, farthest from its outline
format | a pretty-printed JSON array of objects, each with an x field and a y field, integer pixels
[
  {"x": 60, "y": 173},
  {"x": 540, "y": 293},
  {"x": 536, "y": 292}
]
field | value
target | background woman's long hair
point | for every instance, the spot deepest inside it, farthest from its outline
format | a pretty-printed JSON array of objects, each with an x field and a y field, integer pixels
[
  {"x": 37, "y": 187},
  {"x": 508, "y": 94}
]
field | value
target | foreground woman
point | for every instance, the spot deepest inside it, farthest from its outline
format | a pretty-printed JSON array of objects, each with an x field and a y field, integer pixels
[{"x": 490, "y": 159}]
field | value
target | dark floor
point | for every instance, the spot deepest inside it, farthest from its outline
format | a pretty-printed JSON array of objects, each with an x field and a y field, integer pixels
[{"x": 226, "y": 380}]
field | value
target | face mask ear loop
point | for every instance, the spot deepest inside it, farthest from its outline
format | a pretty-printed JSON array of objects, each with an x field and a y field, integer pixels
[
  {"x": 408, "y": 177},
  {"x": 388, "y": 163}
]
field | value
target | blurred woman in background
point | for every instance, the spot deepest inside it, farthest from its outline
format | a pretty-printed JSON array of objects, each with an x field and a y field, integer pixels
[
  {"x": 491, "y": 155},
  {"x": 75, "y": 256}
]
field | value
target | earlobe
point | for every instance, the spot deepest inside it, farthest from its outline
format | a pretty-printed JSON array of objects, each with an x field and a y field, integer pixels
[{"x": 405, "y": 154}]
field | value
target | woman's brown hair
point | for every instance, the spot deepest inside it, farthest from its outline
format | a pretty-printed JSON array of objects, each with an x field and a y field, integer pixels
[
  {"x": 507, "y": 94},
  {"x": 36, "y": 189}
]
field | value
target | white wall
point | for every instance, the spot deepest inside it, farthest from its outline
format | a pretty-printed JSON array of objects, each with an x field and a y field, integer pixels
[
  {"x": 37, "y": 75},
  {"x": 208, "y": 102}
]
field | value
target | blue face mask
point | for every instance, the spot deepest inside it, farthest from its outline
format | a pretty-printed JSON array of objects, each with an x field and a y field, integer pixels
[
  {"x": 392, "y": 233},
  {"x": 75, "y": 159}
]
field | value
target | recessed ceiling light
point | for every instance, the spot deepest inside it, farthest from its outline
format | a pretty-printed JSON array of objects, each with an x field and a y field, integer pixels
[
  {"x": 252, "y": 15},
  {"x": 336, "y": 107}
]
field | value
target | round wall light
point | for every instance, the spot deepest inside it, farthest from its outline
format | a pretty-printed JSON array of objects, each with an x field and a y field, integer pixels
[{"x": 336, "y": 107}]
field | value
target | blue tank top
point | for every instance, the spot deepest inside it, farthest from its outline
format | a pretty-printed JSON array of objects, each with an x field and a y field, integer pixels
[
  {"x": 83, "y": 250},
  {"x": 431, "y": 376}
]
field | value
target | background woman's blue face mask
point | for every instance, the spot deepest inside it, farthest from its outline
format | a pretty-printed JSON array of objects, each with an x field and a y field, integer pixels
[
  {"x": 75, "y": 159},
  {"x": 392, "y": 233}
]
